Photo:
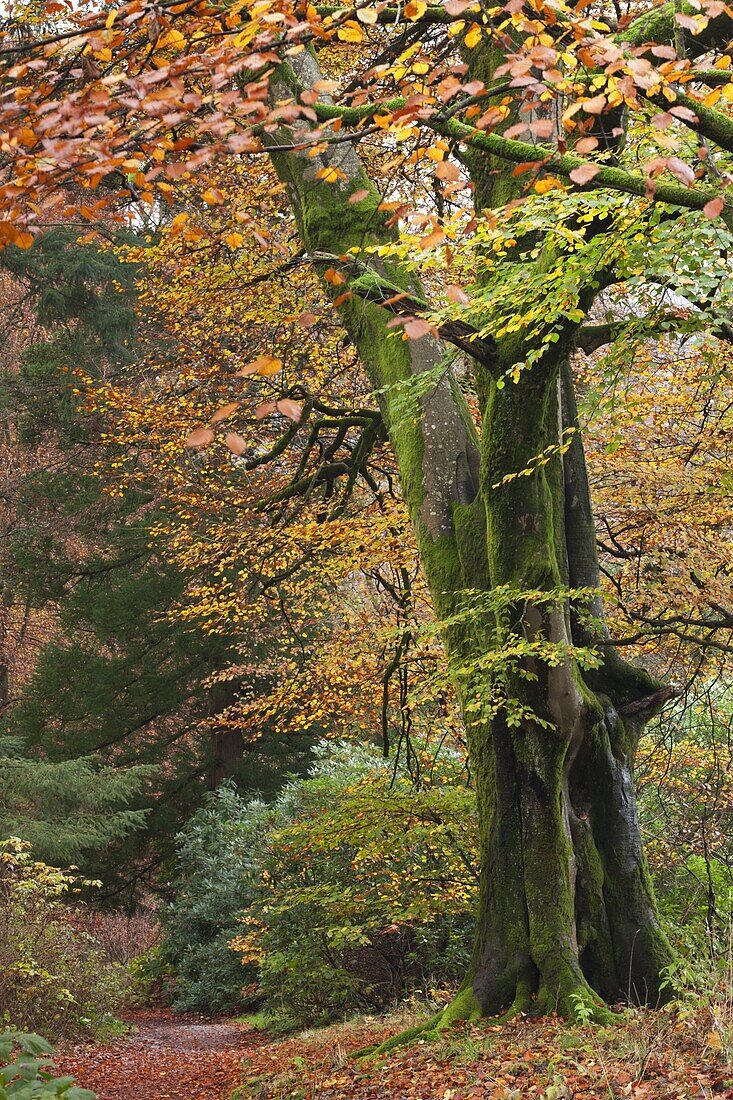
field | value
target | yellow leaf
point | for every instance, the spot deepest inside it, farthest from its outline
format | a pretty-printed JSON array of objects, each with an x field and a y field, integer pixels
[
  {"x": 415, "y": 9},
  {"x": 473, "y": 37},
  {"x": 264, "y": 365},
  {"x": 549, "y": 183},
  {"x": 213, "y": 196},
  {"x": 350, "y": 31},
  {"x": 330, "y": 174},
  {"x": 234, "y": 240}
]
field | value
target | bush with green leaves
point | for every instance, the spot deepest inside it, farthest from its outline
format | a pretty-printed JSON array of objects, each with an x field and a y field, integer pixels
[
  {"x": 218, "y": 857},
  {"x": 54, "y": 976},
  {"x": 685, "y": 780},
  {"x": 349, "y": 890},
  {"x": 27, "y": 1070}
]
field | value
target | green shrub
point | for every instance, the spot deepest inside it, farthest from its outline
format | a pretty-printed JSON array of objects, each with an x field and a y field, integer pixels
[
  {"x": 152, "y": 978},
  {"x": 367, "y": 889},
  {"x": 54, "y": 977},
  {"x": 219, "y": 854},
  {"x": 685, "y": 781},
  {"x": 346, "y": 892},
  {"x": 27, "y": 1071}
]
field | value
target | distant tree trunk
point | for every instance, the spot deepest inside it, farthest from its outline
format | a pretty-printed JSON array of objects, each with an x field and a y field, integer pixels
[
  {"x": 227, "y": 744},
  {"x": 567, "y": 913}
]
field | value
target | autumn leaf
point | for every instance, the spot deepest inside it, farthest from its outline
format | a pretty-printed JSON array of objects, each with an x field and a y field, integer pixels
[
  {"x": 713, "y": 208},
  {"x": 335, "y": 278},
  {"x": 350, "y": 31},
  {"x": 447, "y": 170},
  {"x": 213, "y": 196},
  {"x": 265, "y": 409},
  {"x": 416, "y": 327},
  {"x": 224, "y": 412},
  {"x": 473, "y": 36},
  {"x": 584, "y": 173},
  {"x": 264, "y": 365},
  {"x": 586, "y": 145},
  {"x": 458, "y": 295},
  {"x": 458, "y": 7},
  {"x": 415, "y": 9},
  {"x": 432, "y": 239},
  {"x": 594, "y": 106},
  {"x": 292, "y": 409},
  {"x": 236, "y": 443},
  {"x": 330, "y": 174},
  {"x": 200, "y": 437},
  {"x": 547, "y": 183}
]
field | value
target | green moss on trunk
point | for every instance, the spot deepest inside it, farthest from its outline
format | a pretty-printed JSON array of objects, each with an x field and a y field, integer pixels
[{"x": 566, "y": 910}]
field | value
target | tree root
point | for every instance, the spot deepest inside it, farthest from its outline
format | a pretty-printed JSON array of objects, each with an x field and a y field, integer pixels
[{"x": 580, "y": 1005}]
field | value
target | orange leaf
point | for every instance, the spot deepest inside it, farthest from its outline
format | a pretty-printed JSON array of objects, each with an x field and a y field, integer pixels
[
  {"x": 350, "y": 31},
  {"x": 584, "y": 173},
  {"x": 415, "y": 327},
  {"x": 200, "y": 437},
  {"x": 292, "y": 409},
  {"x": 213, "y": 196},
  {"x": 595, "y": 105},
  {"x": 264, "y": 365},
  {"x": 433, "y": 239},
  {"x": 456, "y": 294},
  {"x": 713, "y": 208},
  {"x": 224, "y": 412},
  {"x": 235, "y": 443}
]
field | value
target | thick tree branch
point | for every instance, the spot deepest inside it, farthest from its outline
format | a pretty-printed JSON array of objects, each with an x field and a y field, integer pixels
[{"x": 562, "y": 164}]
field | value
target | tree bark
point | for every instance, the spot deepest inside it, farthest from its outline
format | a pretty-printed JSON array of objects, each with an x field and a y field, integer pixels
[{"x": 567, "y": 916}]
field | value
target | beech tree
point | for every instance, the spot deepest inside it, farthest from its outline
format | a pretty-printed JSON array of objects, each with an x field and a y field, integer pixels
[{"x": 626, "y": 125}]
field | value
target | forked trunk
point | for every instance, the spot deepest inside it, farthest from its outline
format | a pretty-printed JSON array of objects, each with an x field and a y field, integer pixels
[{"x": 567, "y": 914}]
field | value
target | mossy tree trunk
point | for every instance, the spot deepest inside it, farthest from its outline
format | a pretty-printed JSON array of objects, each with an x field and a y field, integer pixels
[{"x": 567, "y": 913}]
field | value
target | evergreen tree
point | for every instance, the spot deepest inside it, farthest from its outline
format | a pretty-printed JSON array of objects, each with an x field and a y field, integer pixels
[{"x": 118, "y": 691}]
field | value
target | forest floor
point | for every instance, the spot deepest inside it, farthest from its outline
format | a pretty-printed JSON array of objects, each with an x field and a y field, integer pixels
[
  {"x": 165, "y": 1057},
  {"x": 651, "y": 1056}
]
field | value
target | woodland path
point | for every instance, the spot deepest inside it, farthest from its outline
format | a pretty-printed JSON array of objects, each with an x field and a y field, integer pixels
[{"x": 166, "y": 1058}]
